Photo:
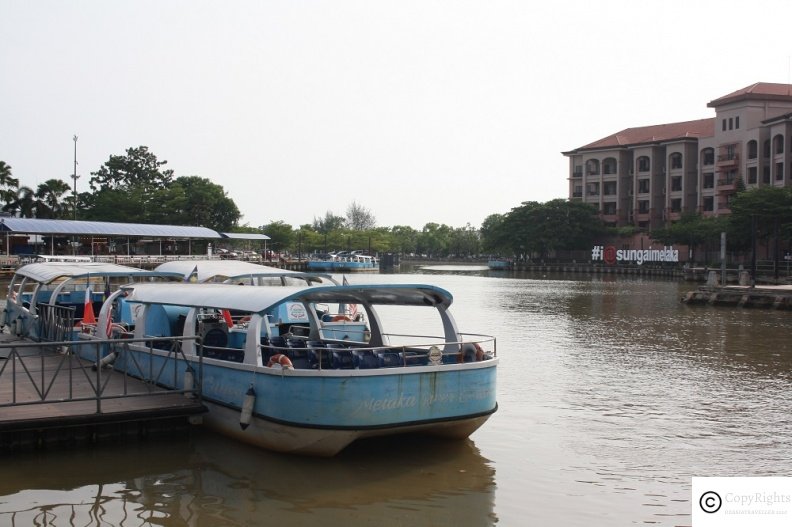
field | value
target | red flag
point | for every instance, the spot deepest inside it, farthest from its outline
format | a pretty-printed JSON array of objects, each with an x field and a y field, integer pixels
[{"x": 227, "y": 317}]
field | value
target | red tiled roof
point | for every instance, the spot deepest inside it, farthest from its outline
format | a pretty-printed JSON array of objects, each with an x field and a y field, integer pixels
[
  {"x": 760, "y": 90},
  {"x": 655, "y": 134}
]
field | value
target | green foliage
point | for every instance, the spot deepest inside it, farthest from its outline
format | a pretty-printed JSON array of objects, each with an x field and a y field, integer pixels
[{"x": 139, "y": 168}]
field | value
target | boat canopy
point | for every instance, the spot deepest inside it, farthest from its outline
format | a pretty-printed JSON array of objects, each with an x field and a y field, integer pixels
[
  {"x": 211, "y": 270},
  {"x": 48, "y": 272},
  {"x": 260, "y": 299}
]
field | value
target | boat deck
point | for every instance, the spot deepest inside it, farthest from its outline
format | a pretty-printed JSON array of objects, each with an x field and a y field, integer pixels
[{"x": 49, "y": 396}]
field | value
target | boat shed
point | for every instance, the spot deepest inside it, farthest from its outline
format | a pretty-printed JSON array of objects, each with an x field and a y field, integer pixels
[{"x": 98, "y": 237}]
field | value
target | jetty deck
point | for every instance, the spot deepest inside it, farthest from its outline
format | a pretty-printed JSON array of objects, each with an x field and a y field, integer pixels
[
  {"x": 48, "y": 394},
  {"x": 764, "y": 296}
]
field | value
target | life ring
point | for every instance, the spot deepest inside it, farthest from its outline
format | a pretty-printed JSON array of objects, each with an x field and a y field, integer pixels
[
  {"x": 341, "y": 318},
  {"x": 470, "y": 352},
  {"x": 280, "y": 358}
]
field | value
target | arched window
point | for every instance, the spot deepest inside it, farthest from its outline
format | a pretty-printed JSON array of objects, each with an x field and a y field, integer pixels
[
  {"x": 778, "y": 144},
  {"x": 609, "y": 166},
  {"x": 644, "y": 164},
  {"x": 592, "y": 167},
  {"x": 675, "y": 160},
  {"x": 753, "y": 149},
  {"x": 708, "y": 156}
]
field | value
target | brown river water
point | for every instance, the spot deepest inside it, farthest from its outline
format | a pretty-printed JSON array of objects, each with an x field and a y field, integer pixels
[{"x": 612, "y": 395}]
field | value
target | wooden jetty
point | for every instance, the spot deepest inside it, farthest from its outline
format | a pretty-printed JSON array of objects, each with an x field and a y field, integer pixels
[
  {"x": 764, "y": 296},
  {"x": 48, "y": 395}
]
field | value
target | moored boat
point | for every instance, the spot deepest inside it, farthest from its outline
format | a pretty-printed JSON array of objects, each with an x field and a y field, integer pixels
[
  {"x": 240, "y": 273},
  {"x": 288, "y": 375},
  {"x": 343, "y": 263},
  {"x": 56, "y": 297}
]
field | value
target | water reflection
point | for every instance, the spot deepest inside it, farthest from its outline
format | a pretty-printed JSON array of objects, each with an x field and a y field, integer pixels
[{"x": 212, "y": 481}]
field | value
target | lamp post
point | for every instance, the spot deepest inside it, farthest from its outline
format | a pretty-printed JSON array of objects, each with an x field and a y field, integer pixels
[{"x": 75, "y": 177}]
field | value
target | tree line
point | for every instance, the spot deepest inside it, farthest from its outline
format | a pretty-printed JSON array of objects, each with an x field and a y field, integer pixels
[{"x": 137, "y": 188}]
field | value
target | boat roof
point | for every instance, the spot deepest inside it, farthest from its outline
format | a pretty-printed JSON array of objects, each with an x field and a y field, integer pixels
[
  {"x": 259, "y": 299},
  {"x": 46, "y": 272},
  {"x": 230, "y": 269}
]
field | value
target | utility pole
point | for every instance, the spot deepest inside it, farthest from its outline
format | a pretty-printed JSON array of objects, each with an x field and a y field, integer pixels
[{"x": 75, "y": 177}]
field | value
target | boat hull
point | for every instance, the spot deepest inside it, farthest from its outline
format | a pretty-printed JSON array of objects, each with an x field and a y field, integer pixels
[{"x": 319, "y": 412}]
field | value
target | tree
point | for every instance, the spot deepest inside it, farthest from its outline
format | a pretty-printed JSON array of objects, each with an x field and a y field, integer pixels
[
  {"x": 139, "y": 168},
  {"x": 8, "y": 184},
  {"x": 52, "y": 199},
  {"x": 281, "y": 235},
  {"x": 203, "y": 203},
  {"x": 492, "y": 239},
  {"x": 768, "y": 208},
  {"x": 359, "y": 218},
  {"x": 329, "y": 223},
  {"x": 23, "y": 203}
]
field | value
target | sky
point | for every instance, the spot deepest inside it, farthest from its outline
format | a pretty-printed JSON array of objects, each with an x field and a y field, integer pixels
[{"x": 419, "y": 111}]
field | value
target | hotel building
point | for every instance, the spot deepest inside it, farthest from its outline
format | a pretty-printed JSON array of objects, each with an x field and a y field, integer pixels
[{"x": 649, "y": 176}]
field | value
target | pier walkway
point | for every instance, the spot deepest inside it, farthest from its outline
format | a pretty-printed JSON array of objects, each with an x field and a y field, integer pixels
[{"x": 50, "y": 395}]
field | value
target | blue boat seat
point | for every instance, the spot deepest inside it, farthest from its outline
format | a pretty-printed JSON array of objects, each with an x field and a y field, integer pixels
[
  {"x": 300, "y": 358},
  {"x": 342, "y": 359},
  {"x": 389, "y": 359},
  {"x": 414, "y": 358},
  {"x": 365, "y": 359}
]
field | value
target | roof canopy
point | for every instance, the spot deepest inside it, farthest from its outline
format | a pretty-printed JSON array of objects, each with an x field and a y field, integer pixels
[
  {"x": 245, "y": 236},
  {"x": 102, "y": 228}
]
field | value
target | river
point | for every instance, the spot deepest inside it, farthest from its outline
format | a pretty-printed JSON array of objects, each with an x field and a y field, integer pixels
[{"x": 612, "y": 394}]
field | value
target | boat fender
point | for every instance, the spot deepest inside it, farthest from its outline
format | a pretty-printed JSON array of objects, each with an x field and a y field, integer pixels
[
  {"x": 281, "y": 359},
  {"x": 106, "y": 361},
  {"x": 189, "y": 383},
  {"x": 19, "y": 327},
  {"x": 3, "y": 317},
  {"x": 247, "y": 408}
]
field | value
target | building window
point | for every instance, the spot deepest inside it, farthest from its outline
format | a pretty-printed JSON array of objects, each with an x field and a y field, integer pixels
[
  {"x": 643, "y": 164},
  {"x": 609, "y": 166},
  {"x": 708, "y": 156},
  {"x": 737, "y": 122},
  {"x": 753, "y": 149},
  {"x": 779, "y": 171},
  {"x": 609, "y": 188},
  {"x": 643, "y": 206},
  {"x": 724, "y": 125},
  {"x": 708, "y": 203},
  {"x": 778, "y": 144},
  {"x": 752, "y": 173},
  {"x": 592, "y": 167},
  {"x": 578, "y": 171},
  {"x": 676, "y": 205},
  {"x": 578, "y": 192},
  {"x": 592, "y": 189},
  {"x": 676, "y": 160},
  {"x": 709, "y": 180},
  {"x": 676, "y": 183},
  {"x": 643, "y": 186},
  {"x": 731, "y": 123},
  {"x": 766, "y": 174},
  {"x": 609, "y": 208}
]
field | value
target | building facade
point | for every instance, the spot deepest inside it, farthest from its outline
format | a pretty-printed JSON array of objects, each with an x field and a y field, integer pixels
[{"x": 649, "y": 176}]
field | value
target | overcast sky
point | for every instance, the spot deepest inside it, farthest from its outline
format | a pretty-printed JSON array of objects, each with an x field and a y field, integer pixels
[{"x": 421, "y": 111}]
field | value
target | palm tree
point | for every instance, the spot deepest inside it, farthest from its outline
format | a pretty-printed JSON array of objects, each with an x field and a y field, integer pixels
[
  {"x": 8, "y": 184},
  {"x": 23, "y": 203},
  {"x": 51, "y": 199}
]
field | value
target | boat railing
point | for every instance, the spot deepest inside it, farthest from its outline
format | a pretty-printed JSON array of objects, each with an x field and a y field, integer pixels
[{"x": 96, "y": 370}]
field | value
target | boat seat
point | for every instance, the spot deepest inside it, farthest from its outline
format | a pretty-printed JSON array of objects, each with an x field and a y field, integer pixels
[
  {"x": 414, "y": 358},
  {"x": 342, "y": 359},
  {"x": 389, "y": 359},
  {"x": 300, "y": 358},
  {"x": 365, "y": 359}
]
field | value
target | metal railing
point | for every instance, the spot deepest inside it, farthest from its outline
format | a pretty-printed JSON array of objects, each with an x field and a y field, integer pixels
[{"x": 96, "y": 370}]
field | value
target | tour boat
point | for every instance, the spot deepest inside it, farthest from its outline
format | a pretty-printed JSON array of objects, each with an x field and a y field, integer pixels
[
  {"x": 239, "y": 272},
  {"x": 343, "y": 263},
  {"x": 55, "y": 297},
  {"x": 309, "y": 370}
]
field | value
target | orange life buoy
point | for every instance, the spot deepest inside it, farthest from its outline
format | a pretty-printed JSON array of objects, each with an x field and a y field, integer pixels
[
  {"x": 341, "y": 318},
  {"x": 280, "y": 358}
]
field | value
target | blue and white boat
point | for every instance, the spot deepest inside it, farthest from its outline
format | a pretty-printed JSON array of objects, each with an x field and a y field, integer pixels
[
  {"x": 500, "y": 264},
  {"x": 289, "y": 376},
  {"x": 49, "y": 299},
  {"x": 344, "y": 263}
]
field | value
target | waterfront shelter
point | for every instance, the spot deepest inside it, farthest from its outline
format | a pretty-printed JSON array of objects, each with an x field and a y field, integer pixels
[{"x": 95, "y": 238}]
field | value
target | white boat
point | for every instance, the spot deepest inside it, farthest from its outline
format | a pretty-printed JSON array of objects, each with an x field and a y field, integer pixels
[
  {"x": 48, "y": 299},
  {"x": 239, "y": 272},
  {"x": 286, "y": 378}
]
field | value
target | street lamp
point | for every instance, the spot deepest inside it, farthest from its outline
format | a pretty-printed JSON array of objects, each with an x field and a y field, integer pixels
[{"x": 75, "y": 177}]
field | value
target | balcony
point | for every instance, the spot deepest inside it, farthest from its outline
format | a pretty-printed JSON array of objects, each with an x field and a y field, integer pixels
[
  {"x": 577, "y": 194},
  {"x": 726, "y": 160},
  {"x": 577, "y": 174}
]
